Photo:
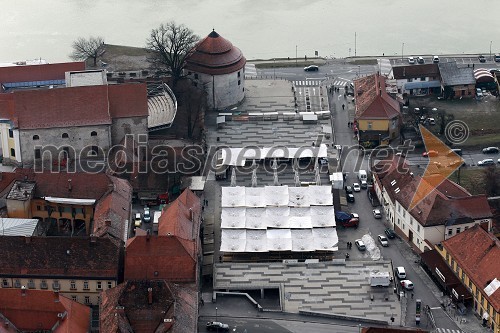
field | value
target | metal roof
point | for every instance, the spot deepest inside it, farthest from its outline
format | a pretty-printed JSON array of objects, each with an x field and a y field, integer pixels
[
  {"x": 17, "y": 227},
  {"x": 452, "y": 75}
]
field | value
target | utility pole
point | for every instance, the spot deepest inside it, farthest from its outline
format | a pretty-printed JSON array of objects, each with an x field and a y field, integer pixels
[
  {"x": 355, "y": 43},
  {"x": 295, "y": 55},
  {"x": 491, "y": 42},
  {"x": 402, "y": 51}
]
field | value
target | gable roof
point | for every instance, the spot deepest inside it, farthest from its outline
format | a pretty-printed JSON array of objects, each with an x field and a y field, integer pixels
[
  {"x": 372, "y": 100},
  {"x": 128, "y": 100},
  {"x": 182, "y": 217},
  {"x": 115, "y": 208},
  {"x": 35, "y": 310},
  {"x": 136, "y": 313},
  {"x": 44, "y": 72},
  {"x": 476, "y": 251},
  {"x": 452, "y": 75},
  {"x": 59, "y": 256},
  {"x": 61, "y": 107},
  {"x": 412, "y": 71}
]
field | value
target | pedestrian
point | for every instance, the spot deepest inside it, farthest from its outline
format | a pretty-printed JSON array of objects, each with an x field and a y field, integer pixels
[
  {"x": 348, "y": 245},
  {"x": 343, "y": 106},
  {"x": 411, "y": 295},
  {"x": 347, "y": 255}
]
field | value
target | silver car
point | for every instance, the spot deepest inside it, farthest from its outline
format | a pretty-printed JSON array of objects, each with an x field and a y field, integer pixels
[{"x": 383, "y": 240}]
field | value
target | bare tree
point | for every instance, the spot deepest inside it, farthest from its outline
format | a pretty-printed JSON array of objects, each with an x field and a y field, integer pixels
[
  {"x": 170, "y": 45},
  {"x": 87, "y": 48},
  {"x": 491, "y": 181}
]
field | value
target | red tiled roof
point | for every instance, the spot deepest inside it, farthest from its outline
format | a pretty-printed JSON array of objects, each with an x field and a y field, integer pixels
[
  {"x": 83, "y": 185},
  {"x": 172, "y": 258},
  {"x": 37, "y": 310},
  {"x": 215, "y": 55},
  {"x": 114, "y": 207},
  {"x": 128, "y": 100},
  {"x": 169, "y": 301},
  {"x": 59, "y": 256},
  {"x": 182, "y": 217},
  {"x": 411, "y": 71},
  {"x": 62, "y": 107},
  {"x": 38, "y": 72},
  {"x": 372, "y": 100},
  {"x": 477, "y": 252}
]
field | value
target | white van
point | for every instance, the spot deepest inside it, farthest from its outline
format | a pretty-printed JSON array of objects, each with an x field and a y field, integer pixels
[
  {"x": 362, "y": 175},
  {"x": 400, "y": 272},
  {"x": 435, "y": 59}
]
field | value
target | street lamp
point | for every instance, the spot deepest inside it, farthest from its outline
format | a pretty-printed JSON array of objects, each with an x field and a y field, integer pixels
[
  {"x": 216, "y": 313},
  {"x": 491, "y": 42},
  {"x": 402, "y": 51},
  {"x": 274, "y": 66}
]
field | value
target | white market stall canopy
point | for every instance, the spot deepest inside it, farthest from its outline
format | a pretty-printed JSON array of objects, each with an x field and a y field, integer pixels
[
  {"x": 278, "y": 218},
  {"x": 239, "y": 156}
]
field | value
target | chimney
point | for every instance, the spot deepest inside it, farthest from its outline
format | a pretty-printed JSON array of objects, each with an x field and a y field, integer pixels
[
  {"x": 107, "y": 223},
  {"x": 120, "y": 309},
  {"x": 27, "y": 239},
  {"x": 69, "y": 185},
  {"x": 150, "y": 296},
  {"x": 93, "y": 238},
  {"x": 23, "y": 290}
]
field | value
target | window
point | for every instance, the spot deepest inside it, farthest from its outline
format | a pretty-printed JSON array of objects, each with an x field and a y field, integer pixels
[
  {"x": 93, "y": 133},
  {"x": 239, "y": 74},
  {"x": 399, "y": 209},
  {"x": 450, "y": 232},
  {"x": 17, "y": 283},
  {"x": 43, "y": 284},
  {"x": 36, "y": 137},
  {"x": 239, "y": 82},
  {"x": 12, "y": 152},
  {"x": 466, "y": 227},
  {"x": 99, "y": 285},
  {"x": 38, "y": 153},
  {"x": 74, "y": 298},
  {"x": 418, "y": 227},
  {"x": 5, "y": 283},
  {"x": 31, "y": 284},
  {"x": 72, "y": 285},
  {"x": 458, "y": 230},
  {"x": 11, "y": 133},
  {"x": 55, "y": 285},
  {"x": 65, "y": 136},
  {"x": 110, "y": 284},
  {"x": 370, "y": 124},
  {"x": 422, "y": 79},
  {"x": 85, "y": 285},
  {"x": 404, "y": 213},
  {"x": 87, "y": 299},
  {"x": 196, "y": 76}
]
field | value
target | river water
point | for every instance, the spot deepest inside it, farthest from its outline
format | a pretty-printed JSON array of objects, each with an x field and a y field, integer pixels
[{"x": 260, "y": 28}]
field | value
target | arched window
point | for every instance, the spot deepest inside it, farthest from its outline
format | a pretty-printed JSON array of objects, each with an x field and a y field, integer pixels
[
  {"x": 36, "y": 137},
  {"x": 65, "y": 135},
  {"x": 93, "y": 133}
]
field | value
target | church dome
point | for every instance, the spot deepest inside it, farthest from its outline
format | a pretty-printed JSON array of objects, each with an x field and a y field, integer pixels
[{"x": 215, "y": 55}]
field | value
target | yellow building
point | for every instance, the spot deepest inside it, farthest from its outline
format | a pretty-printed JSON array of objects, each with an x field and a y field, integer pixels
[
  {"x": 473, "y": 256},
  {"x": 377, "y": 117}
]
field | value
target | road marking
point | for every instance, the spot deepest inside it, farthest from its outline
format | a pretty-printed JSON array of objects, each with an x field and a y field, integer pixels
[{"x": 447, "y": 330}]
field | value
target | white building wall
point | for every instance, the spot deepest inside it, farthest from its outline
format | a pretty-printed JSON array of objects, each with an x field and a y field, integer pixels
[
  {"x": 17, "y": 146},
  {"x": 224, "y": 90},
  {"x": 4, "y": 136}
]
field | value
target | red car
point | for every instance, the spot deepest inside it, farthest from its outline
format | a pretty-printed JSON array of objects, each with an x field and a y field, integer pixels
[{"x": 430, "y": 153}]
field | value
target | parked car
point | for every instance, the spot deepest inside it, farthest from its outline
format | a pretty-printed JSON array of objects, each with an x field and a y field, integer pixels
[
  {"x": 137, "y": 220},
  {"x": 491, "y": 150},
  {"x": 431, "y": 121},
  {"x": 420, "y": 60},
  {"x": 364, "y": 184},
  {"x": 486, "y": 162},
  {"x": 356, "y": 187},
  {"x": 350, "y": 197},
  {"x": 360, "y": 245},
  {"x": 479, "y": 93},
  {"x": 311, "y": 68},
  {"x": 347, "y": 220},
  {"x": 435, "y": 59},
  {"x": 348, "y": 189},
  {"x": 455, "y": 151},
  {"x": 411, "y": 60},
  {"x": 407, "y": 284},
  {"x": 147, "y": 215},
  {"x": 430, "y": 153},
  {"x": 377, "y": 213},
  {"x": 481, "y": 58},
  {"x": 383, "y": 240},
  {"x": 400, "y": 272},
  {"x": 217, "y": 326},
  {"x": 390, "y": 233}
]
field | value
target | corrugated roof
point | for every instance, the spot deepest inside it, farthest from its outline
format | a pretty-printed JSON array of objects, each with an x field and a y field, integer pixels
[
  {"x": 17, "y": 227},
  {"x": 452, "y": 75}
]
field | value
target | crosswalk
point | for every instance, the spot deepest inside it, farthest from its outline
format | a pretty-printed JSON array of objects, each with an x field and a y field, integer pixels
[
  {"x": 341, "y": 82},
  {"x": 307, "y": 83},
  {"x": 447, "y": 330}
]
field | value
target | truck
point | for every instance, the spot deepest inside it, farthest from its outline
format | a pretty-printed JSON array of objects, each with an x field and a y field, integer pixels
[
  {"x": 380, "y": 279},
  {"x": 156, "y": 218},
  {"x": 362, "y": 175}
]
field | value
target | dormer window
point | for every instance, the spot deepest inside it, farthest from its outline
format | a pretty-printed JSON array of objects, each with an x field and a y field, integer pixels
[
  {"x": 36, "y": 137},
  {"x": 65, "y": 135},
  {"x": 93, "y": 133}
]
